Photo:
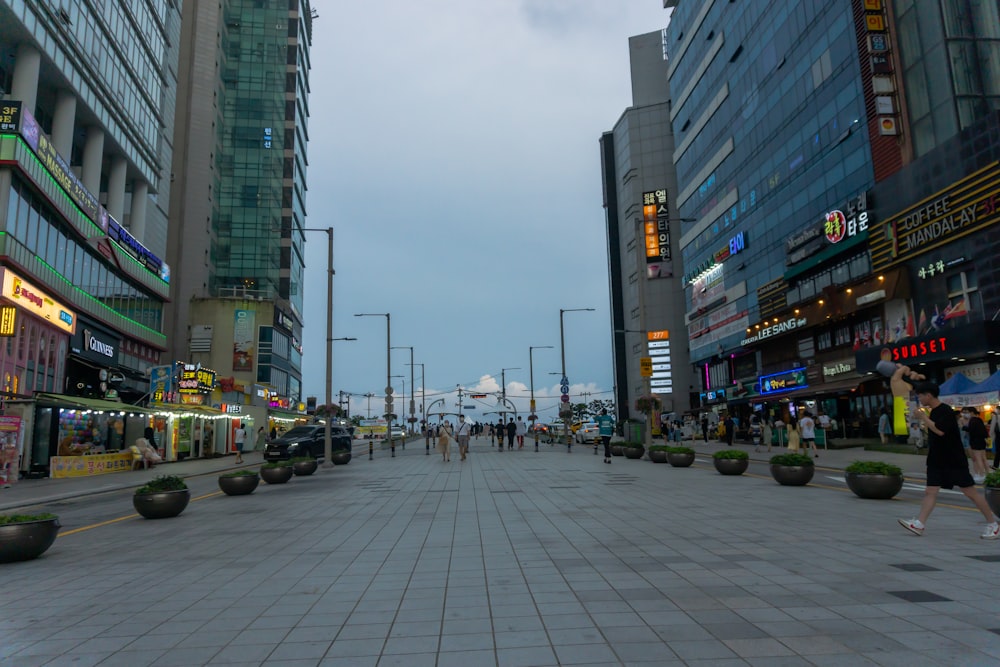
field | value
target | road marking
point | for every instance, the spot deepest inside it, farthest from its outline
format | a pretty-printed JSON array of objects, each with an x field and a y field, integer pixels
[{"x": 123, "y": 518}]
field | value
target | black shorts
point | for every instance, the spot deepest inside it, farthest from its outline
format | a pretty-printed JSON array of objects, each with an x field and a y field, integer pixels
[
  {"x": 979, "y": 446},
  {"x": 948, "y": 478}
]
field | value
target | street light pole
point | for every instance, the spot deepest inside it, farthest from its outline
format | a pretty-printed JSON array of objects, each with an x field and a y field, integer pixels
[
  {"x": 532, "y": 417},
  {"x": 503, "y": 387},
  {"x": 413, "y": 387},
  {"x": 388, "y": 381},
  {"x": 564, "y": 381},
  {"x": 423, "y": 398},
  {"x": 327, "y": 438}
]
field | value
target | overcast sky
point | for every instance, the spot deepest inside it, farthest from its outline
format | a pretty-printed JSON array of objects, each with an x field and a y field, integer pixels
[{"x": 454, "y": 149}]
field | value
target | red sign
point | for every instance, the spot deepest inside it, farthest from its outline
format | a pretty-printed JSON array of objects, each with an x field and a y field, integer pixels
[{"x": 915, "y": 350}]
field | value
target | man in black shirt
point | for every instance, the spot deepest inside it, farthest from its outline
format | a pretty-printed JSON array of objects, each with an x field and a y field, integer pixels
[{"x": 947, "y": 466}]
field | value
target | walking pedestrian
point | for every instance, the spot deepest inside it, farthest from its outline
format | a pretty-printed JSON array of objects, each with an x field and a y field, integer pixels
[
  {"x": 884, "y": 426},
  {"x": 500, "y": 430},
  {"x": 808, "y": 428},
  {"x": 995, "y": 437},
  {"x": 520, "y": 430},
  {"x": 239, "y": 438},
  {"x": 704, "y": 428},
  {"x": 444, "y": 441},
  {"x": 605, "y": 429},
  {"x": 756, "y": 431},
  {"x": 793, "y": 436},
  {"x": 946, "y": 463},
  {"x": 462, "y": 431},
  {"x": 729, "y": 424},
  {"x": 766, "y": 433},
  {"x": 974, "y": 426},
  {"x": 511, "y": 433}
]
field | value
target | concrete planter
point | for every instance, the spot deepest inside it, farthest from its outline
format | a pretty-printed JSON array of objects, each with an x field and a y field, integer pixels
[
  {"x": 616, "y": 450},
  {"x": 992, "y": 494},
  {"x": 238, "y": 485},
  {"x": 161, "y": 505},
  {"x": 633, "y": 452},
  {"x": 875, "y": 487},
  {"x": 341, "y": 457},
  {"x": 278, "y": 475},
  {"x": 657, "y": 456},
  {"x": 680, "y": 460},
  {"x": 28, "y": 540},
  {"x": 303, "y": 468},
  {"x": 792, "y": 475},
  {"x": 731, "y": 466}
]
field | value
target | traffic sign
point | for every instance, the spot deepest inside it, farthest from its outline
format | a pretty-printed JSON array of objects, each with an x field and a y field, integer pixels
[
  {"x": 388, "y": 391},
  {"x": 564, "y": 380},
  {"x": 564, "y": 398},
  {"x": 564, "y": 390},
  {"x": 646, "y": 367}
]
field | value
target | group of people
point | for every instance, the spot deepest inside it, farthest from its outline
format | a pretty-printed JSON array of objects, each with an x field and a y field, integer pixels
[
  {"x": 800, "y": 433},
  {"x": 460, "y": 433}
]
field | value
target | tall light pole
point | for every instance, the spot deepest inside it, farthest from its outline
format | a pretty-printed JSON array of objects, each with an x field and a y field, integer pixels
[
  {"x": 388, "y": 381},
  {"x": 423, "y": 399},
  {"x": 564, "y": 381},
  {"x": 369, "y": 396},
  {"x": 402, "y": 396},
  {"x": 327, "y": 438},
  {"x": 532, "y": 417},
  {"x": 413, "y": 387}
]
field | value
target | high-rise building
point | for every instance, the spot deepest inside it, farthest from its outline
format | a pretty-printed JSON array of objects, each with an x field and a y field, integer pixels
[
  {"x": 640, "y": 191},
  {"x": 774, "y": 161},
  {"x": 85, "y": 145},
  {"x": 239, "y": 205}
]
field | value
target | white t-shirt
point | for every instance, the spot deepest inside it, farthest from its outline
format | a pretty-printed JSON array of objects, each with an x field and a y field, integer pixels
[
  {"x": 824, "y": 421},
  {"x": 522, "y": 428},
  {"x": 808, "y": 428},
  {"x": 240, "y": 435},
  {"x": 462, "y": 428}
]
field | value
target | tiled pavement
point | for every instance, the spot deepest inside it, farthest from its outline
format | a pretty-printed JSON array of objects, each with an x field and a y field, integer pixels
[{"x": 505, "y": 559}]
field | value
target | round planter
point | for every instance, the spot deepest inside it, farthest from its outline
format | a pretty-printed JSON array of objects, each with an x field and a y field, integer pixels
[
  {"x": 792, "y": 475},
  {"x": 875, "y": 487},
  {"x": 658, "y": 456},
  {"x": 303, "y": 468},
  {"x": 633, "y": 452},
  {"x": 731, "y": 466},
  {"x": 25, "y": 541},
  {"x": 616, "y": 450},
  {"x": 992, "y": 494},
  {"x": 161, "y": 505},
  {"x": 341, "y": 457},
  {"x": 240, "y": 485},
  {"x": 680, "y": 460},
  {"x": 278, "y": 475}
]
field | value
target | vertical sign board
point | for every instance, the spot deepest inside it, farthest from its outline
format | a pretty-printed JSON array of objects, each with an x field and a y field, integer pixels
[
  {"x": 243, "y": 340},
  {"x": 656, "y": 230},
  {"x": 658, "y": 349}
]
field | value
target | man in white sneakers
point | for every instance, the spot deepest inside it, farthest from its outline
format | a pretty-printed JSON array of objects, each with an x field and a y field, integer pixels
[
  {"x": 947, "y": 466},
  {"x": 462, "y": 432}
]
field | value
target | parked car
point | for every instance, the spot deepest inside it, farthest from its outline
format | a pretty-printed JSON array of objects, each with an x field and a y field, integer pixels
[
  {"x": 306, "y": 440},
  {"x": 398, "y": 433},
  {"x": 588, "y": 432}
]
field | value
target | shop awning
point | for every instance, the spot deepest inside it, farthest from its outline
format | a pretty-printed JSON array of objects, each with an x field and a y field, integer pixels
[
  {"x": 286, "y": 414},
  {"x": 82, "y": 403}
]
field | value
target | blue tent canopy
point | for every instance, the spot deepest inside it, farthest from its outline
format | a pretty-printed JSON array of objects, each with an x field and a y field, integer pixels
[
  {"x": 958, "y": 384},
  {"x": 992, "y": 383}
]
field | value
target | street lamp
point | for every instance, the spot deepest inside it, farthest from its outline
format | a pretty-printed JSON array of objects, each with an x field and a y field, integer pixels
[
  {"x": 402, "y": 396},
  {"x": 327, "y": 438},
  {"x": 369, "y": 396},
  {"x": 413, "y": 387},
  {"x": 564, "y": 381},
  {"x": 532, "y": 417},
  {"x": 388, "y": 382},
  {"x": 423, "y": 399}
]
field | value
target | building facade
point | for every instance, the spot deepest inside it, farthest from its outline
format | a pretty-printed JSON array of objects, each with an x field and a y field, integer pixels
[
  {"x": 239, "y": 203},
  {"x": 85, "y": 152},
  {"x": 640, "y": 189}
]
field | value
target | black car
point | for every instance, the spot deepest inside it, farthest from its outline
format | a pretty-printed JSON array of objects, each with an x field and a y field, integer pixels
[{"x": 307, "y": 440}]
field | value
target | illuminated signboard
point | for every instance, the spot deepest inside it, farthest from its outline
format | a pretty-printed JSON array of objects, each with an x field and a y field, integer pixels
[
  {"x": 656, "y": 226},
  {"x": 967, "y": 205},
  {"x": 10, "y": 116},
  {"x": 36, "y": 302},
  {"x": 8, "y": 320},
  {"x": 195, "y": 380},
  {"x": 786, "y": 381},
  {"x": 850, "y": 219},
  {"x": 658, "y": 353}
]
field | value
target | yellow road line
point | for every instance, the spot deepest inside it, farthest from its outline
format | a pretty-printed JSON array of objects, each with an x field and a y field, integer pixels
[{"x": 123, "y": 518}]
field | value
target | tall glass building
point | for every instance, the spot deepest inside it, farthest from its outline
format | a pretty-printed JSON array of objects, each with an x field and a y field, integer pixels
[
  {"x": 771, "y": 135},
  {"x": 237, "y": 235},
  {"x": 88, "y": 94}
]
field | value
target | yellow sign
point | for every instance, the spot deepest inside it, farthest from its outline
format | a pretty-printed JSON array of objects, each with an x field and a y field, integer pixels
[
  {"x": 646, "y": 367},
  {"x": 8, "y": 318},
  {"x": 89, "y": 464},
  {"x": 662, "y": 334},
  {"x": 36, "y": 302}
]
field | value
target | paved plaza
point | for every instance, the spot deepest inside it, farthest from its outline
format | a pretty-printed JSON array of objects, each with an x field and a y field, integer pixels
[{"x": 513, "y": 558}]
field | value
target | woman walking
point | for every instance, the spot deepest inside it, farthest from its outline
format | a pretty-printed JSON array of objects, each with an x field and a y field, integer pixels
[
  {"x": 793, "y": 436},
  {"x": 444, "y": 441},
  {"x": 884, "y": 427}
]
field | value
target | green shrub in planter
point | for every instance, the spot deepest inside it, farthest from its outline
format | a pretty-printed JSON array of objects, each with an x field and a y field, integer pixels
[
  {"x": 738, "y": 454},
  {"x": 633, "y": 450},
  {"x": 678, "y": 450},
  {"x": 791, "y": 460},
  {"x": 239, "y": 473},
  {"x": 162, "y": 484},
  {"x": 659, "y": 448},
  {"x": 874, "y": 468},
  {"x": 276, "y": 464},
  {"x": 993, "y": 479},
  {"x": 10, "y": 519},
  {"x": 991, "y": 489}
]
